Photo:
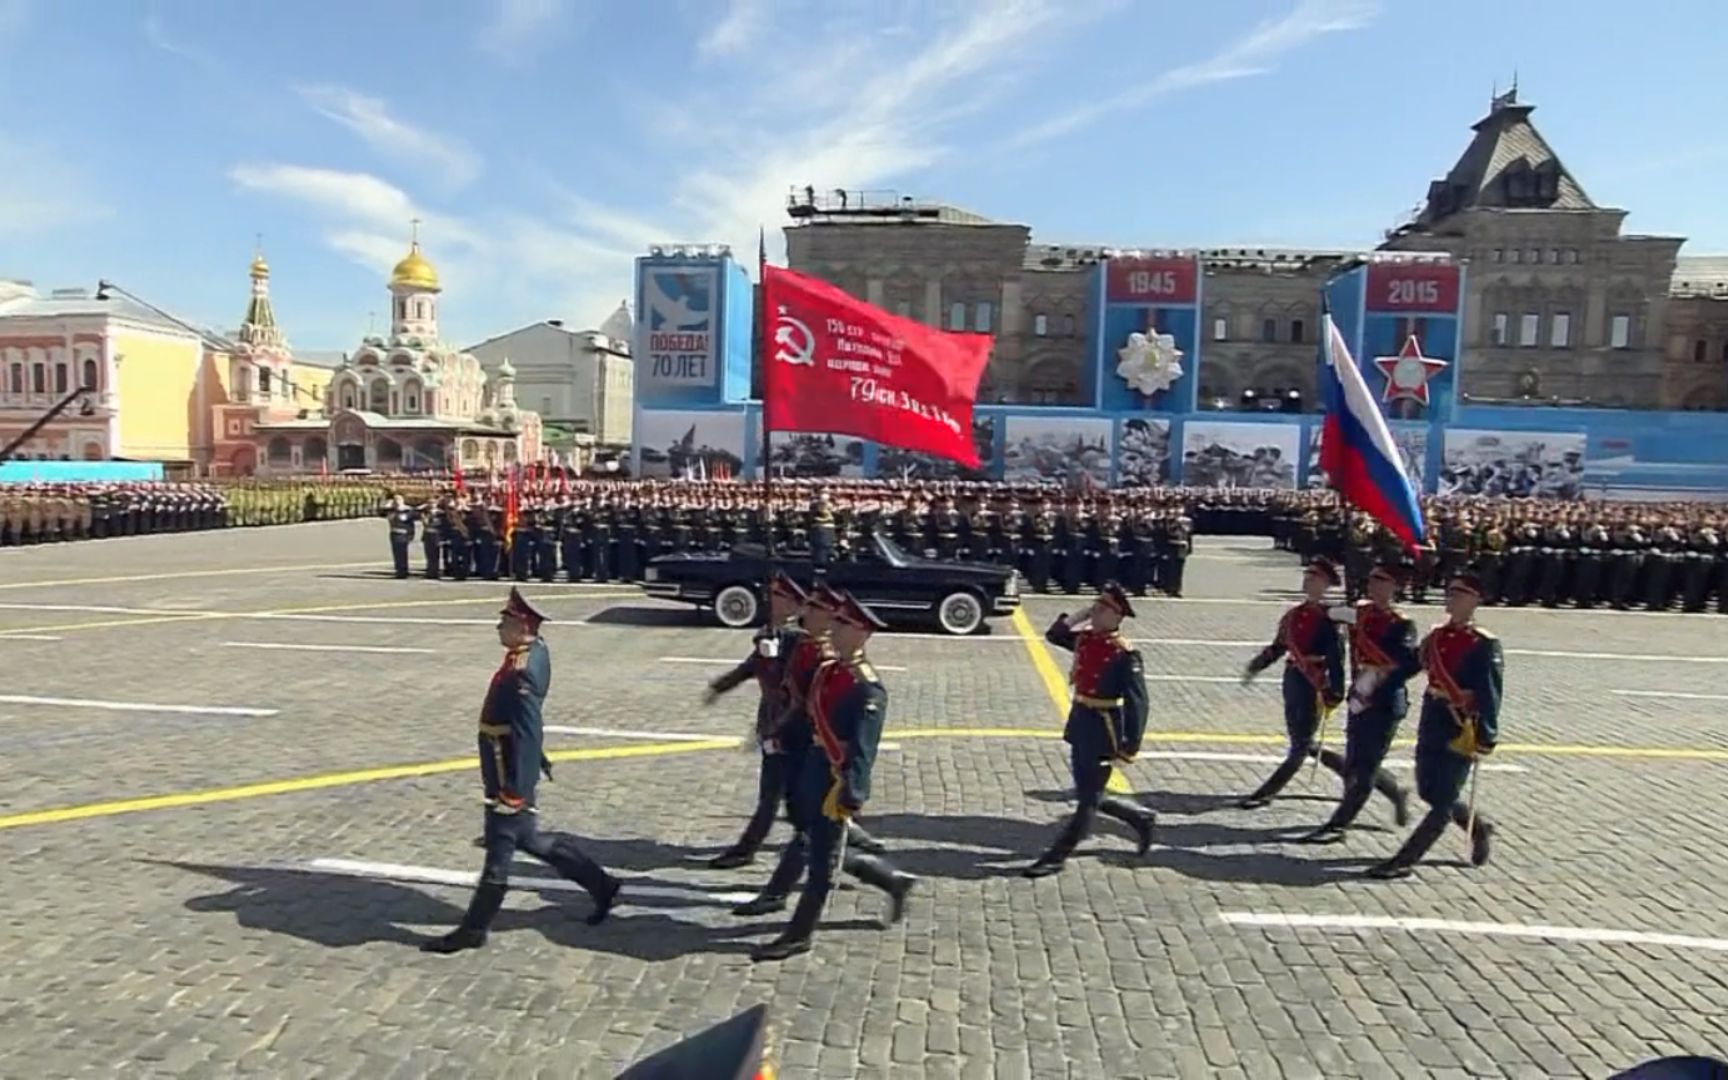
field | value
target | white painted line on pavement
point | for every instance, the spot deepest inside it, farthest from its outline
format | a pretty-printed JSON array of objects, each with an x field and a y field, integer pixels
[
  {"x": 1201, "y": 679},
  {"x": 404, "y": 620},
  {"x": 1679, "y": 695},
  {"x": 133, "y": 706},
  {"x": 467, "y": 879},
  {"x": 10, "y": 636},
  {"x": 1587, "y": 934},
  {"x": 729, "y": 661},
  {"x": 1273, "y": 759},
  {"x": 616, "y": 733},
  {"x": 97, "y": 609},
  {"x": 290, "y": 646}
]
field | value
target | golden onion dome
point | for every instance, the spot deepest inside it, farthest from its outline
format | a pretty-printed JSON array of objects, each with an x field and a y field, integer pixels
[
  {"x": 414, "y": 271},
  {"x": 260, "y": 268}
]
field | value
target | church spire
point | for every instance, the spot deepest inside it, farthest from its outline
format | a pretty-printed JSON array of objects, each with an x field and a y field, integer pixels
[{"x": 259, "y": 327}]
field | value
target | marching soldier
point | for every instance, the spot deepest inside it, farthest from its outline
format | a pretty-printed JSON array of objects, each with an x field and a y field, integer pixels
[
  {"x": 847, "y": 708},
  {"x": 1382, "y": 660},
  {"x": 1459, "y": 726},
  {"x": 772, "y": 647},
  {"x": 401, "y": 533},
  {"x": 1313, "y": 684},
  {"x": 1106, "y": 721},
  {"x": 510, "y": 741}
]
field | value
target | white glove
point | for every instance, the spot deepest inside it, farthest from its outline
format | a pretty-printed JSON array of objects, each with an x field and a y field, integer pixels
[
  {"x": 1368, "y": 683},
  {"x": 1342, "y": 613},
  {"x": 1357, "y": 704}
]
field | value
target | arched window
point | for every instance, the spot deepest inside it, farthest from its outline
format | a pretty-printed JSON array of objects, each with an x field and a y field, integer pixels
[
  {"x": 90, "y": 373},
  {"x": 380, "y": 397},
  {"x": 264, "y": 381},
  {"x": 62, "y": 378},
  {"x": 17, "y": 378},
  {"x": 38, "y": 379}
]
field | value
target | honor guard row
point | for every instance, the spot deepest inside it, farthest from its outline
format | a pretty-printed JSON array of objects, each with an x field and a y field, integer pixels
[{"x": 1459, "y": 717}]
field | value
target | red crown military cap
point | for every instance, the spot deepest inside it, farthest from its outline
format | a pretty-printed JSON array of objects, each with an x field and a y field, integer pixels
[
  {"x": 1324, "y": 568},
  {"x": 1115, "y": 596},
  {"x": 519, "y": 607},
  {"x": 781, "y": 585},
  {"x": 825, "y": 597},
  {"x": 853, "y": 611},
  {"x": 1391, "y": 571}
]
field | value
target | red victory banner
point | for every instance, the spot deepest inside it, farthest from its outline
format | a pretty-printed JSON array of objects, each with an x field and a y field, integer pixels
[{"x": 839, "y": 365}]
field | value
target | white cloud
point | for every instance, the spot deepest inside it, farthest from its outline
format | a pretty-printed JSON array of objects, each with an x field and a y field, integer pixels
[
  {"x": 370, "y": 119},
  {"x": 520, "y": 27},
  {"x": 741, "y": 24},
  {"x": 1254, "y": 53},
  {"x": 156, "y": 33}
]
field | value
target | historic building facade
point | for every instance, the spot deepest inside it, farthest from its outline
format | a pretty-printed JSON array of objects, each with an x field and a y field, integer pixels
[
  {"x": 580, "y": 380},
  {"x": 408, "y": 401},
  {"x": 1695, "y": 369},
  {"x": 1561, "y": 306}
]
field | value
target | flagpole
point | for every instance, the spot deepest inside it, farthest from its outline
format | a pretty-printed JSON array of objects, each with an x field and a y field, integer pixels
[{"x": 765, "y": 336}]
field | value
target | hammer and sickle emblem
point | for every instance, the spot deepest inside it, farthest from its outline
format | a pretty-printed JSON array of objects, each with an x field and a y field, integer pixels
[{"x": 794, "y": 343}]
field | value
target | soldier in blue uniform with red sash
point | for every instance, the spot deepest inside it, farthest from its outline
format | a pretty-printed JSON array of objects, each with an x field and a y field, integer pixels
[
  {"x": 1106, "y": 721},
  {"x": 510, "y": 739},
  {"x": 846, "y": 708},
  {"x": 792, "y": 735},
  {"x": 1313, "y": 654},
  {"x": 772, "y": 647},
  {"x": 1382, "y": 660},
  {"x": 1460, "y": 725}
]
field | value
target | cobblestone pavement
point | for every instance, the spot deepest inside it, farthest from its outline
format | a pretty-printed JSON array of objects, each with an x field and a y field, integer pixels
[{"x": 166, "y": 913}]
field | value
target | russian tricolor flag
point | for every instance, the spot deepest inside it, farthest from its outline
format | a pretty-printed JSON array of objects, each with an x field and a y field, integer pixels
[{"x": 1357, "y": 453}]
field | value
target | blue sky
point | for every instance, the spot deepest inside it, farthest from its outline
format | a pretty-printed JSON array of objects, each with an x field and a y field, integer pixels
[{"x": 547, "y": 142}]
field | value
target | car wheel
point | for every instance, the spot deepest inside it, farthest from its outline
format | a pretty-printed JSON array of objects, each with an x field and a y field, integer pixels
[
  {"x": 960, "y": 613},
  {"x": 736, "y": 606}
]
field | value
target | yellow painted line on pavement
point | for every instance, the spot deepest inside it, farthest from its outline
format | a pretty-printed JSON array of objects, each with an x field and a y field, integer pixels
[
  {"x": 329, "y": 780},
  {"x": 1056, "y": 685},
  {"x": 180, "y": 574},
  {"x": 292, "y": 785}
]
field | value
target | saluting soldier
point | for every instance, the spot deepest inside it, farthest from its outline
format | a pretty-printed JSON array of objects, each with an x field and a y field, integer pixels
[
  {"x": 401, "y": 533},
  {"x": 432, "y": 539},
  {"x": 1106, "y": 721},
  {"x": 1382, "y": 660},
  {"x": 847, "y": 708},
  {"x": 1313, "y": 684},
  {"x": 773, "y": 646},
  {"x": 1459, "y": 726},
  {"x": 510, "y": 743}
]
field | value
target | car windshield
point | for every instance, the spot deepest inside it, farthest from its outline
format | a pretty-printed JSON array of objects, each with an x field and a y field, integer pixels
[{"x": 892, "y": 554}]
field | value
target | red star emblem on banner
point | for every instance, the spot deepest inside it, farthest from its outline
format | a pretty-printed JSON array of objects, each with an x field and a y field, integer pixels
[{"x": 1407, "y": 374}]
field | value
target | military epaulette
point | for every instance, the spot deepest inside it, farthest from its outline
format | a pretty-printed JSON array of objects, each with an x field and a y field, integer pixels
[
  {"x": 1481, "y": 633},
  {"x": 519, "y": 658},
  {"x": 864, "y": 672}
]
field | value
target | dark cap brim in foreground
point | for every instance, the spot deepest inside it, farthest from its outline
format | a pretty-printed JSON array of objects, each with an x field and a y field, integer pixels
[{"x": 730, "y": 1050}]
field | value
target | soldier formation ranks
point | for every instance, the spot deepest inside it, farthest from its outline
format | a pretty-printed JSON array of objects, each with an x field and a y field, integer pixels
[{"x": 55, "y": 513}]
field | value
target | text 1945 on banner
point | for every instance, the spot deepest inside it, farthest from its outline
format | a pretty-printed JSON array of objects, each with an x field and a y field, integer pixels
[{"x": 837, "y": 364}]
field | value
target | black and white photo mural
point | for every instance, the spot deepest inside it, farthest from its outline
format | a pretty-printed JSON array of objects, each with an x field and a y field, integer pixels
[
  {"x": 1528, "y": 464},
  {"x": 818, "y": 456},
  {"x": 692, "y": 444},
  {"x": 1074, "y": 451},
  {"x": 1410, "y": 439},
  {"x": 893, "y": 463},
  {"x": 1235, "y": 455},
  {"x": 1143, "y": 452}
]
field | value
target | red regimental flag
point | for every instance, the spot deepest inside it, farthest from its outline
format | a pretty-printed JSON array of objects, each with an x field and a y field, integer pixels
[{"x": 836, "y": 364}]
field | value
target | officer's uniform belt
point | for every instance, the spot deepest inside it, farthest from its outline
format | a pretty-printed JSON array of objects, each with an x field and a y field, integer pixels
[
  {"x": 1097, "y": 702},
  {"x": 495, "y": 730}
]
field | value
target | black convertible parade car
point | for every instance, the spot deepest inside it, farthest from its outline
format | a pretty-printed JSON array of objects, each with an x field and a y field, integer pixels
[{"x": 897, "y": 585}]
